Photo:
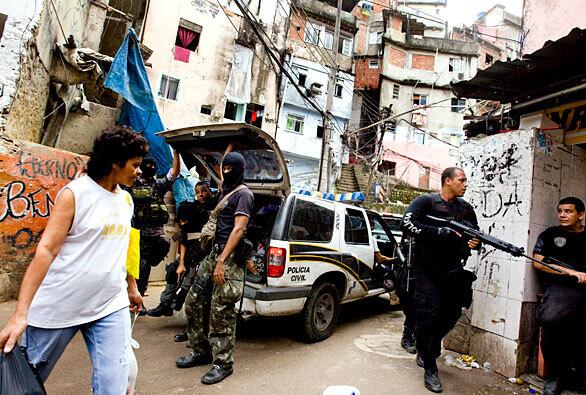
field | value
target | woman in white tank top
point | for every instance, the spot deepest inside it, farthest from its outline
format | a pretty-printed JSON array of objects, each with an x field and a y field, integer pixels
[{"x": 77, "y": 280}]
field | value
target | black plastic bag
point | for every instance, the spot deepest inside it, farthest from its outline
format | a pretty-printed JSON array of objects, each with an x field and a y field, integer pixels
[{"x": 17, "y": 376}]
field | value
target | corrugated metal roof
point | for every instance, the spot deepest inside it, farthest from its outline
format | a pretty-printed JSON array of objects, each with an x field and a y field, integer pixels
[{"x": 558, "y": 65}]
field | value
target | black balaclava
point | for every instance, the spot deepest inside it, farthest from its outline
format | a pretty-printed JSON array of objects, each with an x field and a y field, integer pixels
[
  {"x": 148, "y": 167},
  {"x": 236, "y": 176}
]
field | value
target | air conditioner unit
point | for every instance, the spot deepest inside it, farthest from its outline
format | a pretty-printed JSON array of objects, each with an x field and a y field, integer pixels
[{"x": 314, "y": 89}]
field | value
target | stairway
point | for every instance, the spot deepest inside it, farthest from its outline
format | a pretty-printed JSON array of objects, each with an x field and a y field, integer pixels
[{"x": 347, "y": 181}]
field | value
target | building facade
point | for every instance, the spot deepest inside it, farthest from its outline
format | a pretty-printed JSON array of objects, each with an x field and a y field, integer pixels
[
  {"x": 310, "y": 55},
  {"x": 209, "y": 66},
  {"x": 417, "y": 71}
]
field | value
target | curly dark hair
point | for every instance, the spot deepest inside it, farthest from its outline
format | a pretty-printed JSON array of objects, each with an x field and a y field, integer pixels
[{"x": 115, "y": 145}]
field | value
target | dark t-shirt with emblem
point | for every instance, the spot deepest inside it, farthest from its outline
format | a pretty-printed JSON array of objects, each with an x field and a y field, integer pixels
[
  {"x": 240, "y": 203},
  {"x": 568, "y": 247}
]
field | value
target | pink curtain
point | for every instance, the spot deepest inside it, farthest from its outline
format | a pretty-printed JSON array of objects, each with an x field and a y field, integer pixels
[{"x": 186, "y": 36}]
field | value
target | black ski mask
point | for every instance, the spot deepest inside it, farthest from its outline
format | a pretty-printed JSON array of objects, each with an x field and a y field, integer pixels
[
  {"x": 148, "y": 168},
  {"x": 235, "y": 177}
]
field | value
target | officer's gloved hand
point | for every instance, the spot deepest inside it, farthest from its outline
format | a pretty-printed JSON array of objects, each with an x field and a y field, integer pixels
[{"x": 446, "y": 232}]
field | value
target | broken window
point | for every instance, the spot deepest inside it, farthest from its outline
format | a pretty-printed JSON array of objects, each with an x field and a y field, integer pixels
[
  {"x": 320, "y": 131},
  {"x": 419, "y": 100},
  {"x": 188, "y": 35},
  {"x": 207, "y": 110},
  {"x": 168, "y": 87},
  {"x": 455, "y": 65},
  {"x": 396, "y": 90},
  {"x": 488, "y": 59},
  {"x": 338, "y": 90},
  {"x": 235, "y": 111},
  {"x": 2, "y": 23},
  {"x": 373, "y": 64},
  {"x": 458, "y": 104},
  {"x": 295, "y": 123},
  {"x": 254, "y": 114}
]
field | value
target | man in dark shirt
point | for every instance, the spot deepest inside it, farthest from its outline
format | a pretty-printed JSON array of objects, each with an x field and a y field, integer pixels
[
  {"x": 442, "y": 286},
  {"x": 220, "y": 280},
  {"x": 150, "y": 215},
  {"x": 562, "y": 311},
  {"x": 190, "y": 217}
]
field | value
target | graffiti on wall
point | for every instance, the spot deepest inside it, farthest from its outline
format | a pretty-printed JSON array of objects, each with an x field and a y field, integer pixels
[
  {"x": 499, "y": 170},
  {"x": 30, "y": 178}
]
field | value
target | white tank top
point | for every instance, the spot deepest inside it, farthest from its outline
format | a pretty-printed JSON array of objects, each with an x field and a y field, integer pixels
[{"x": 87, "y": 279}]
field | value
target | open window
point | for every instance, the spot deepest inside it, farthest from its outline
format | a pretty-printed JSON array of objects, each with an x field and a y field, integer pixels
[
  {"x": 235, "y": 111},
  {"x": 188, "y": 34},
  {"x": 169, "y": 87},
  {"x": 254, "y": 114}
]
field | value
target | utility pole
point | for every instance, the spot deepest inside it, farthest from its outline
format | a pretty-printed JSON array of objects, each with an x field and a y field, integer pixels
[{"x": 326, "y": 151}]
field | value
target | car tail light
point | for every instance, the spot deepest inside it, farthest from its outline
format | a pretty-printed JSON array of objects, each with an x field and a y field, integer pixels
[{"x": 276, "y": 261}]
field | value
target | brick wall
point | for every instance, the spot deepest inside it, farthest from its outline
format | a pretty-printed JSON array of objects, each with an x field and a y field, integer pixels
[
  {"x": 397, "y": 57},
  {"x": 297, "y": 29},
  {"x": 31, "y": 175},
  {"x": 366, "y": 78},
  {"x": 422, "y": 62}
]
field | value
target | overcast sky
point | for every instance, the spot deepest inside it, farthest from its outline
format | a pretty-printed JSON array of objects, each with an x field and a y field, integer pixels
[{"x": 466, "y": 11}]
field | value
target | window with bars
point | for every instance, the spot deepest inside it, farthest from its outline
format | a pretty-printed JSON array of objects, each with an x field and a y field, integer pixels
[
  {"x": 373, "y": 64},
  {"x": 169, "y": 87},
  {"x": 396, "y": 90},
  {"x": 295, "y": 123}
]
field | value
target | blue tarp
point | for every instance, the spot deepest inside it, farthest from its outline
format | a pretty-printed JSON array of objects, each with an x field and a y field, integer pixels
[{"x": 128, "y": 78}]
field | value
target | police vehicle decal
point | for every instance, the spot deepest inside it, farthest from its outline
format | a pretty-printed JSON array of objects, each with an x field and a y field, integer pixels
[{"x": 331, "y": 261}]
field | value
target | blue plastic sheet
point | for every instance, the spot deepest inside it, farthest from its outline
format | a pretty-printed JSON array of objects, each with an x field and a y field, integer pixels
[{"x": 128, "y": 78}]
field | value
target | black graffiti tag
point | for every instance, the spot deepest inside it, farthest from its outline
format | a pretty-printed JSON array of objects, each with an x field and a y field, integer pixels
[
  {"x": 16, "y": 203},
  {"x": 31, "y": 166}
]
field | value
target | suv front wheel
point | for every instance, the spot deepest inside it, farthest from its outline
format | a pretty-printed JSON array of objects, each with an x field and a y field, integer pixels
[{"x": 320, "y": 314}]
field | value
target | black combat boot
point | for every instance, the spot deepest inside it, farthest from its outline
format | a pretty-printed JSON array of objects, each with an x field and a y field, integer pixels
[
  {"x": 408, "y": 343},
  {"x": 216, "y": 374},
  {"x": 419, "y": 361},
  {"x": 552, "y": 386},
  {"x": 181, "y": 337},
  {"x": 432, "y": 381},
  {"x": 190, "y": 360},
  {"x": 160, "y": 310}
]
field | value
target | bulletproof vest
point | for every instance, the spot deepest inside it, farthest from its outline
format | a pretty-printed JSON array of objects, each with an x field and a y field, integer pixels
[{"x": 149, "y": 207}]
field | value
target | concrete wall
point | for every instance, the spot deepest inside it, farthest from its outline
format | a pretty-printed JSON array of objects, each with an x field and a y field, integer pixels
[
  {"x": 545, "y": 20},
  {"x": 30, "y": 178},
  {"x": 27, "y": 48},
  {"x": 516, "y": 180},
  {"x": 203, "y": 80}
]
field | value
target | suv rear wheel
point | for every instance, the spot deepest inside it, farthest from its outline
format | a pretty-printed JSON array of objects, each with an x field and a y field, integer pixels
[{"x": 321, "y": 311}]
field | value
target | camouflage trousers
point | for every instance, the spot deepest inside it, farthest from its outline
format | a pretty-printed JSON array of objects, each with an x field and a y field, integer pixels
[{"x": 211, "y": 314}]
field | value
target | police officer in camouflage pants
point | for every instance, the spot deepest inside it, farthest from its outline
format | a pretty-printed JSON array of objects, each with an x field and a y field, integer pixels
[{"x": 211, "y": 304}]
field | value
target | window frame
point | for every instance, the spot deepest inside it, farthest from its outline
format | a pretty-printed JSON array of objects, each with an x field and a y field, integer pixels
[
  {"x": 458, "y": 106},
  {"x": 373, "y": 60},
  {"x": 300, "y": 118},
  {"x": 347, "y": 48},
  {"x": 338, "y": 87},
  {"x": 452, "y": 65},
  {"x": 365, "y": 219},
  {"x": 316, "y": 29},
  {"x": 240, "y": 110},
  {"x": 327, "y": 42},
  {"x": 420, "y": 95},
  {"x": 321, "y": 204},
  {"x": 166, "y": 87},
  {"x": 397, "y": 88}
]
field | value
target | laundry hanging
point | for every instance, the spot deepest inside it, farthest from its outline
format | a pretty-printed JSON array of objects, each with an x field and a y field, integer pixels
[{"x": 238, "y": 87}]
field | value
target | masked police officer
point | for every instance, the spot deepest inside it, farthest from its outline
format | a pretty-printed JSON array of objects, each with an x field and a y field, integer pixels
[
  {"x": 150, "y": 215},
  {"x": 562, "y": 311},
  {"x": 442, "y": 286},
  {"x": 223, "y": 270}
]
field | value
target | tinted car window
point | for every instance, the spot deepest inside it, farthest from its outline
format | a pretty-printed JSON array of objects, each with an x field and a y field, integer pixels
[
  {"x": 356, "y": 230},
  {"x": 311, "y": 221}
]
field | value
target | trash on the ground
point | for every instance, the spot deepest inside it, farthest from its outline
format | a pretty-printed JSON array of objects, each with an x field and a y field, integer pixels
[
  {"x": 516, "y": 380},
  {"x": 475, "y": 365},
  {"x": 487, "y": 366},
  {"x": 449, "y": 360},
  {"x": 341, "y": 390},
  {"x": 459, "y": 363},
  {"x": 531, "y": 391}
]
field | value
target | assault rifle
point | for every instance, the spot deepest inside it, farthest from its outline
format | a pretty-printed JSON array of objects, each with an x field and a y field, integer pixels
[{"x": 497, "y": 243}]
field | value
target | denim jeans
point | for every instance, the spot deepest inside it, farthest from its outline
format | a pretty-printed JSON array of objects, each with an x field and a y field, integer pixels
[{"x": 108, "y": 343}]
